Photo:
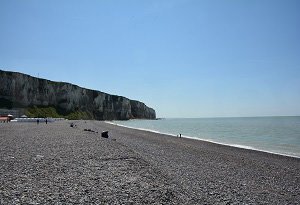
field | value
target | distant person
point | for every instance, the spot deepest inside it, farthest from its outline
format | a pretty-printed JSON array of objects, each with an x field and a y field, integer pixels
[
  {"x": 37, "y": 121},
  {"x": 180, "y": 135},
  {"x": 46, "y": 121}
]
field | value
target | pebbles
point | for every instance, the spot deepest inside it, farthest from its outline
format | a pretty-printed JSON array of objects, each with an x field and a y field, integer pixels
[
  {"x": 57, "y": 164},
  {"x": 207, "y": 173}
]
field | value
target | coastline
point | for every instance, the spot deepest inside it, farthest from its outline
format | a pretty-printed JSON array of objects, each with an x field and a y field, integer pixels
[
  {"x": 217, "y": 174},
  {"x": 206, "y": 140},
  {"x": 57, "y": 163}
]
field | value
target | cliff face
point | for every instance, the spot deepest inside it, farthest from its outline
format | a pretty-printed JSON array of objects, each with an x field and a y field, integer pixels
[{"x": 21, "y": 91}]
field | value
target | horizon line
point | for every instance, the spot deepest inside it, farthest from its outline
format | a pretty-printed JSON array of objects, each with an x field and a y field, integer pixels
[{"x": 229, "y": 117}]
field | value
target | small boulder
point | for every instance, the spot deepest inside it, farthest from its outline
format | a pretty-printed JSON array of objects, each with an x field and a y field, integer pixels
[{"x": 104, "y": 134}]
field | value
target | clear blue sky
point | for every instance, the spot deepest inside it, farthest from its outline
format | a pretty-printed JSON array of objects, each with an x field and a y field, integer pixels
[{"x": 184, "y": 58}]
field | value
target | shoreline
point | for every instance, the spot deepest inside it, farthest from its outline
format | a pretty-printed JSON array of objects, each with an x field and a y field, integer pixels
[
  {"x": 205, "y": 140},
  {"x": 57, "y": 162}
]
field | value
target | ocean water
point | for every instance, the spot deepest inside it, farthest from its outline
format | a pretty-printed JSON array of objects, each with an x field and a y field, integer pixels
[{"x": 279, "y": 135}]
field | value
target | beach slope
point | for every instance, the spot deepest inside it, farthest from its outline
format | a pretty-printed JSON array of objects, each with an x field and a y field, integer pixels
[{"x": 51, "y": 163}]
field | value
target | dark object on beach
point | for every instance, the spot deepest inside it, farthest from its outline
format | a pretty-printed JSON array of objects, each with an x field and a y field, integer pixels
[
  {"x": 180, "y": 135},
  {"x": 89, "y": 130},
  {"x": 104, "y": 134},
  {"x": 37, "y": 121},
  {"x": 73, "y": 125},
  {"x": 46, "y": 121}
]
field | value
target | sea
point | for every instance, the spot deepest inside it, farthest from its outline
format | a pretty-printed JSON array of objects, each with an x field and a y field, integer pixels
[{"x": 279, "y": 135}]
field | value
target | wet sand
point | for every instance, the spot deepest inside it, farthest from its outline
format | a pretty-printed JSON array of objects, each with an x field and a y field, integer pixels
[{"x": 58, "y": 164}]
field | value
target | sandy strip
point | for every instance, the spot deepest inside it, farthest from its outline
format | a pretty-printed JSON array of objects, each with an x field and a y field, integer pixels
[{"x": 47, "y": 164}]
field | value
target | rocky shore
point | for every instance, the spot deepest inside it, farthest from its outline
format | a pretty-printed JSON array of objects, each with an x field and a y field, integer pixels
[{"x": 55, "y": 163}]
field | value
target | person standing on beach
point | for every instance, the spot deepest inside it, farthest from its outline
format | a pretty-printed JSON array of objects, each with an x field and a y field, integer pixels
[
  {"x": 46, "y": 121},
  {"x": 37, "y": 121}
]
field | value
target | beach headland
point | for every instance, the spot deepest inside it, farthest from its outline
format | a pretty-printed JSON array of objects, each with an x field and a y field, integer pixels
[{"x": 54, "y": 162}]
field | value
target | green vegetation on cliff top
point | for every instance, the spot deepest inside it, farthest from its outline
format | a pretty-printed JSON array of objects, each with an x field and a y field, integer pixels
[{"x": 43, "y": 112}]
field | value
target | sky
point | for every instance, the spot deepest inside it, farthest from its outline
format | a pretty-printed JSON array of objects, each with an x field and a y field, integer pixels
[{"x": 184, "y": 58}]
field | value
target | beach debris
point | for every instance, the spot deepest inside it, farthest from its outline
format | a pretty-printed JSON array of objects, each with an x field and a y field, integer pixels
[
  {"x": 90, "y": 130},
  {"x": 104, "y": 134},
  {"x": 73, "y": 125}
]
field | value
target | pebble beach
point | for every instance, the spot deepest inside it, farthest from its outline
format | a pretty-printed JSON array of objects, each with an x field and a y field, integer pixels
[{"x": 55, "y": 163}]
